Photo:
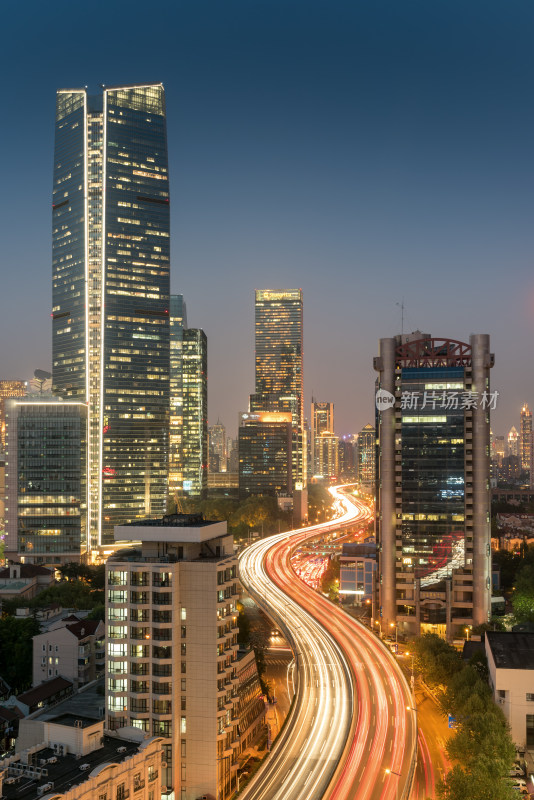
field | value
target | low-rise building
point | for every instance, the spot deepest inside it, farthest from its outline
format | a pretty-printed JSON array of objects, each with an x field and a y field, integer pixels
[
  {"x": 511, "y": 675},
  {"x": 357, "y": 571},
  {"x": 24, "y": 581},
  {"x": 45, "y": 694},
  {"x": 75, "y": 650},
  {"x": 68, "y": 757}
]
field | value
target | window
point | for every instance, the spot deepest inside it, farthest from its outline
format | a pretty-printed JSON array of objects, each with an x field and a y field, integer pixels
[
  {"x": 183, "y": 667},
  {"x": 530, "y": 697},
  {"x": 183, "y": 726},
  {"x": 502, "y": 693},
  {"x": 183, "y": 614},
  {"x": 183, "y": 649}
]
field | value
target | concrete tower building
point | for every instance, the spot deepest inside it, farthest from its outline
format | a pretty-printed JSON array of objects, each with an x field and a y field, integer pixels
[
  {"x": 110, "y": 315},
  {"x": 367, "y": 457},
  {"x": 525, "y": 438},
  {"x": 433, "y": 505},
  {"x": 322, "y": 439},
  {"x": 513, "y": 442}
]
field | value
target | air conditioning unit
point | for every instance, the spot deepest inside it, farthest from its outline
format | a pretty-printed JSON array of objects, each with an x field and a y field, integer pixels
[
  {"x": 163, "y": 765},
  {"x": 52, "y": 760},
  {"x": 9, "y": 781},
  {"x": 85, "y": 767},
  {"x": 121, "y": 749},
  {"x": 43, "y": 761}
]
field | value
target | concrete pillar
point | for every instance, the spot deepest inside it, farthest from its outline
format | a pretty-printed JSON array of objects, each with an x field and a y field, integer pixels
[{"x": 482, "y": 360}]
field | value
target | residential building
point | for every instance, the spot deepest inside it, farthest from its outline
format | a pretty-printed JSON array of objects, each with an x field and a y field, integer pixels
[
  {"x": 195, "y": 413},
  {"x": 110, "y": 314},
  {"x": 172, "y": 648},
  {"x": 433, "y": 505},
  {"x": 24, "y": 581},
  {"x": 75, "y": 650},
  {"x": 251, "y": 708},
  {"x": 326, "y": 455},
  {"x": 279, "y": 374},
  {"x": 366, "y": 457},
  {"x": 9, "y": 389},
  {"x": 178, "y": 321},
  {"x": 46, "y": 694},
  {"x": 69, "y": 757},
  {"x": 510, "y": 657},
  {"x": 525, "y": 438},
  {"x": 265, "y": 443},
  {"x": 46, "y": 481}
]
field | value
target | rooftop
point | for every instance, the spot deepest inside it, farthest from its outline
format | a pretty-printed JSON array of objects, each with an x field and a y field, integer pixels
[
  {"x": 44, "y": 691},
  {"x": 511, "y": 650},
  {"x": 65, "y": 772},
  {"x": 174, "y": 528}
]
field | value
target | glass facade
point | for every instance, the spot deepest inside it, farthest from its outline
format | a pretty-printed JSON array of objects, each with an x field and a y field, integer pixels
[
  {"x": 48, "y": 507},
  {"x": 111, "y": 261},
  {"x": 279, "y": 357},
  {"x": 265, "y": 454},
  {"x": 178, "y": 321},
  {"x": 433, "y": 478}
]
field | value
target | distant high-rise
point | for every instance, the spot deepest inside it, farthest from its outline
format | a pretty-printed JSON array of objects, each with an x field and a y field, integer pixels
[
  {"x": 265, "y": 453},
  {"x": 322, "y": 422},
  {"x": 513, "y": 442},
  {"x": 433, "y": 505},
  {"x": 525, "y": 438},
  {"x": 279, "y": 359},
  {"x": 366, "y": 456},
  {"x": 195, "y": 412},
  {"x": 217, "y": 444},
  {"x": 178, "y": 321},
  {"x": 110, "y": 312}
]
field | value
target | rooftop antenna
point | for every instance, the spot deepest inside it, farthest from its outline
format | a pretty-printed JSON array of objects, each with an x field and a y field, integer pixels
[{"x": 401, "y": 306}]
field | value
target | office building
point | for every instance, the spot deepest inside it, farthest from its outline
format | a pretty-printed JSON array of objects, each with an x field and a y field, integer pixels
[
  {"x": 110, "y": 315},
  {"x": 9, "y": 389},
  {"x": 178, "y": 321},
  {"x": 46, "y": 481},
  {"x": 366, "y": 457},
  {"x": 357, "y": 571},
  {"x": 172, "y": 648},
  {"x": 347, "y": 449},
  {"x": 322, "y": 422},
  {"x": 279, "y": 374},
  {"x": 525, "y": 438},
  {"x": 195, "y": 413},
  {"x": 265, "y": 442},
  {"x": 433, "y": 507},
  {"x": 217, "y": 444}
]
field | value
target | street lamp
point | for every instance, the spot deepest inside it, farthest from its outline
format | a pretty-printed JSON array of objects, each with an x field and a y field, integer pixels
[
  {"x": 395, "y": 625},
  {"x": 392, "y": 772}
]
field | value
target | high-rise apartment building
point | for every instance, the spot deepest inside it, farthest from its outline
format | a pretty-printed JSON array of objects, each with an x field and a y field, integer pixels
[
  {"x": 178, "y": 321},
  {"x": 433, "y": 506},
  {"x": 110, "y": 254},
  {"x": 279, "y": 375},
  {"x": 265, "y": 453},
  {"x": 195, "y": 412},
  {"x": 366, "y": 457},
  {"x": 217, "y": 444},
  {"x": 46, "y": 481},
  {"x": 172, "y": 648},
  {"x": 347, "y": 448},
  {"x": 525, "y": 438},
  {"x": 9, "y": 389}
]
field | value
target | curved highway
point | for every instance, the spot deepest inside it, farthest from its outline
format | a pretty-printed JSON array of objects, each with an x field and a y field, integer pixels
[{"x": 352, "y": 720}]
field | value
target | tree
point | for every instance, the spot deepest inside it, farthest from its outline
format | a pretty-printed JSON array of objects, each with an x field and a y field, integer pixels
[
  {"x": 330, "y": 579},
  {"x": 16, "y": 651},
  {"x": 319, "y": 502},
  {"x": 460, "y": 784}
]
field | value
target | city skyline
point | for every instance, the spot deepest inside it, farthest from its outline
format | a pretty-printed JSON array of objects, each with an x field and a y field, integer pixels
[{"x": 372, "y": 157}]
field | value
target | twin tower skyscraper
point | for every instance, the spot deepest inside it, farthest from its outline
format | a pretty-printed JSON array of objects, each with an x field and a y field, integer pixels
[{"x": 111, "y": 293}]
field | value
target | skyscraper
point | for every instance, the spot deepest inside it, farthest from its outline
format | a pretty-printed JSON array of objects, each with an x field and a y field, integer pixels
[
  {"x": 110, "y": 312},
  {"x": 513, "y": 442},
  {"x": 433, "y": 505},
  {"x": 322, "y": 421},
  {"x": 9, "y": 389},
  {"x": 217, "y": 444},
  {"x": 265, "y": 453},
  {"x": 178, "y": 321},
  {"x": 366, "y": 457},
  {"x": 195, "y": 412},
  {"x": 279, "y": 358},
  {"x": 525, "y": 438}
]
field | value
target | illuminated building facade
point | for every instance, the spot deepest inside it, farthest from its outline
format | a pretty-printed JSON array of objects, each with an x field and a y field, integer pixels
[
  {"x": 8, "y": 389},
  {"x": 195, "y": 413},
  {"x": 322, "y": 422},
  {"x": 46, "y": 481},
  {"x": 171, "y": 667},
  {"x": 279, "y": 361},
  {"x": 525, "y": 438},
  {"x": 217, "y": 444},
  {"x": 265, "y": 453},
  {"x": 367, "y": 456},
  {"x": 178, "y": 321},
  {"x": 110, "y": 312},
  {"x": 513, "y": 442},
  {"x": 347, "y": 449},
  {"x": 433, "y": 497}
]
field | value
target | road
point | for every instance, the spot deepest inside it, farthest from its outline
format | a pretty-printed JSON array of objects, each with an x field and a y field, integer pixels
[{"x": 350, "y": 722}]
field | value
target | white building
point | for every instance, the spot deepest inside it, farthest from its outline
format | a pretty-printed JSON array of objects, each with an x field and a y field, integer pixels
[
  {"x": 511, "y": 673},
  {"x": 74, "y": 650},
  {"x": 172, "y": 648}
]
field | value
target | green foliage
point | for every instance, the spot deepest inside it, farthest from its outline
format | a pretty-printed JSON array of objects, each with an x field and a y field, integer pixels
[
  {"x": 476, "y": 784},
  {"x": 69, "y": 594},
  {"x": 16, "y": 652},
  {"x": 94, "y": 575},
  {"x": 98, "y": 612},
  {"x": 243, "y": 623},
  {"x": 254, "y": 512},
  {"x": 330, "y": 580},
  {"x": 435, "y": 659}
]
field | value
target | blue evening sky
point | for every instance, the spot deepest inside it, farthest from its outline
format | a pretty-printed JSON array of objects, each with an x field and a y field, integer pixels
[{"x": 363, "y": 151}]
